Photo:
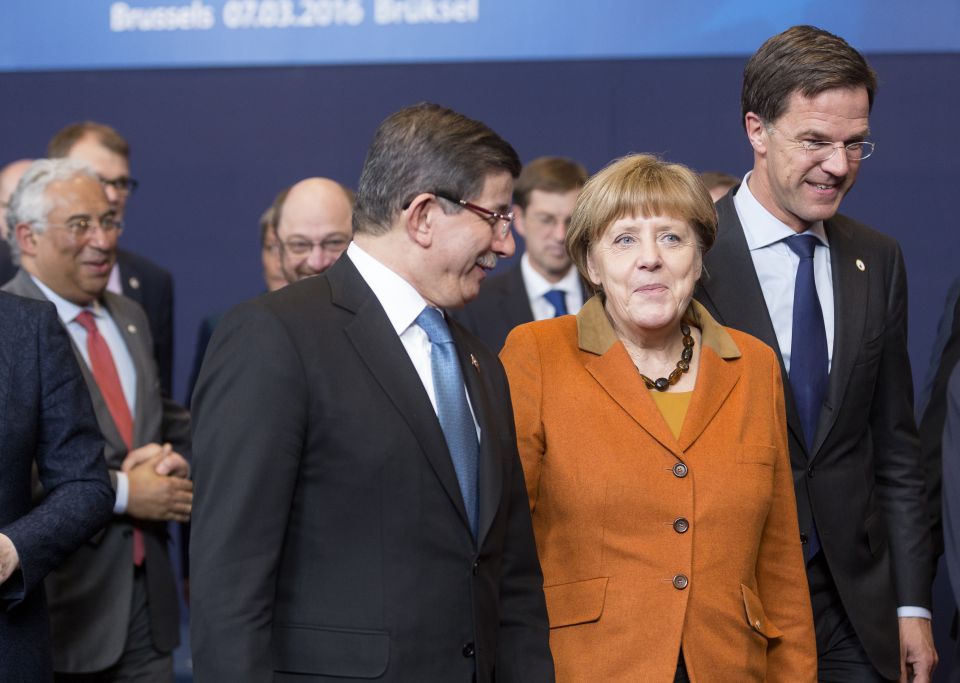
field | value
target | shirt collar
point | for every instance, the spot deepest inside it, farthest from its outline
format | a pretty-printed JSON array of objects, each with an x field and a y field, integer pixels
[
  {"x": 760, "y": 227},
  {"x": 67, "y": 310},
  {"x": 537, "y": 285},
  {"x": 401, "y": 302}
]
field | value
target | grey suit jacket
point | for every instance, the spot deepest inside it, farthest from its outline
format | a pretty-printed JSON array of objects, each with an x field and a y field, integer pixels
[
  {"x": 501, "y": 305},
  {"x": 45, "y": 419},
  {"x": 863, "y": 480},
  {"x": 330, "y": 539},
  {"x": 89, "y": 594}
]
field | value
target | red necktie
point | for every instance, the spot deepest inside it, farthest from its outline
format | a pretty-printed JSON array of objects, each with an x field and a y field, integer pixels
[{"x": 108, "y": 380}]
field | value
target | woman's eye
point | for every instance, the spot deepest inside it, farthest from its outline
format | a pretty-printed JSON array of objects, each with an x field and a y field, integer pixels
[{"x": 624, "y": 240}]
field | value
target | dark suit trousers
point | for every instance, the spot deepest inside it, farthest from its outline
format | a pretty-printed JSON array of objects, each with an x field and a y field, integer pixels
[{"x": 840, "y": 656}]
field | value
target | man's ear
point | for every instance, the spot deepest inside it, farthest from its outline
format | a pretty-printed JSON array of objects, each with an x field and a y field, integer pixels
[
  {"x": 418, "y": 218},
  {"x": 756, "y": 132},
  {"x": 26, "y": 239},
  {"x": 519, "y": 221}
]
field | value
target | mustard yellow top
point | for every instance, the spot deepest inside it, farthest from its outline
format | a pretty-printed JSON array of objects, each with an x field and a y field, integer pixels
[{"x": 673, "y": 406}]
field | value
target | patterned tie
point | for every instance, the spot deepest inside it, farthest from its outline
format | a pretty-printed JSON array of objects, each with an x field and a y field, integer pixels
[
  {"x": 558, "y": 299},
  {"x": 809, "y": 371},
  {"x": 108, "y": 381},
  {"x": 456, "y": 420}
]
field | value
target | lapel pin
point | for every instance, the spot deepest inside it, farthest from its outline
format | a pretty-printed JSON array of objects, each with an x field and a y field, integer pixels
[
  {"x": 131, "y": 328},
  {"x": 134, "y": 282},
  {"x": 475, "y": 363},
  {"x": 861, "y": 266}
]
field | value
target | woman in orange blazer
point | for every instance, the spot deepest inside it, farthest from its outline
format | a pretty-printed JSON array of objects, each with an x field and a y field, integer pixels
[{"x": 663, "y": 508}]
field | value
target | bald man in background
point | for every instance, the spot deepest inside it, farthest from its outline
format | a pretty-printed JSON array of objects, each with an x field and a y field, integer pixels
[
  {"x": 9, "y": 177},
  {"x": 313, "y": 227}
]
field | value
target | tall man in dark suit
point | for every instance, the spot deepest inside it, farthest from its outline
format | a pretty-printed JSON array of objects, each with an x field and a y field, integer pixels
[
  {"x": 360, "y": 509},
  {"x": 951, "y": 493},
  {"x": 829, "y": 294},
  {"x": 9, "y": 177},
  {"x": 45, "y": 418},
  {"x": 113, "y": 603},
  {"x": 544, "y": 284},
  {"x": 134, "y": 276}
]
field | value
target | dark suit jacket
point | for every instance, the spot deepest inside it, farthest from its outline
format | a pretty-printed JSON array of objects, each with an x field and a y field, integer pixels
[
  {"x": 7, "y": 267},
  {"x": 863, "y": 480},
  {"x": 152, "y": 287},
  {"x": 951, "y": 482},
  {"x": 932, "y": 406},
  {"x": 501, "y": 305},
  {"x": 329, "y": 534},
  {"x": 45, "y": 418},
  {"x": 89, "y": 594}
]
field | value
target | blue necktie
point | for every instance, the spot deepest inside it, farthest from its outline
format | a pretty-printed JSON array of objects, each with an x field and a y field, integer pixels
[
  {"x": 456, "y": 420},
  {"x": 808, "y": 351},
  {"x": 558, "y": 299}
]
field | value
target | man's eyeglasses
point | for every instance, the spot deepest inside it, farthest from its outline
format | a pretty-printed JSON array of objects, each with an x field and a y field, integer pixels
[
  {"x": 298, "y": 246},
  {"x": 78, "y": 228},
  {"x": 491, "y": 217},
  {"x": 123, "y": 184},
  {"x": 820, "y": 150}
]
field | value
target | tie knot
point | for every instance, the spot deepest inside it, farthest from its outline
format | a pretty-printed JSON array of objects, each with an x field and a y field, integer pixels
[
  {"x": 803, "y": 244},
  {"x": 431, "y": 321},
  {"x": 86, "y": 320},
  {"x": 558, "y": 299}
]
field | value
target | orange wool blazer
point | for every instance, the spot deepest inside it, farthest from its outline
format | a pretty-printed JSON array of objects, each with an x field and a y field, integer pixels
[{"x": 649, "y": 542}]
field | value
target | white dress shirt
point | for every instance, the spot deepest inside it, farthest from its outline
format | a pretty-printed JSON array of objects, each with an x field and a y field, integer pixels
[
  {"x": 537, "y": 285},
  {"x": 776, "y": 265},
  {"x": 402, "y": 304},
  {"x": 68, "y": 311}
]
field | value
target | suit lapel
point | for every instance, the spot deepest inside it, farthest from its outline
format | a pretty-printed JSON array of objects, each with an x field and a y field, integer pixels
[
  {"x": 850, "y": 292},
  {"x": 731, "y": 289},
  {"x": 138, "y": 352},
  {"x": 616, "y": 373},
  {"x": 381, "y": 350},
  {"x": 716, "y": 378},
  {"x": 514, "y": 300},
  {"x": 490, "y": 475}
]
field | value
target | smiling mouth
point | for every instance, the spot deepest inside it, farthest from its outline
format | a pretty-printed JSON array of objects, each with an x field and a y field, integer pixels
[{"x": 487, "y": 261}]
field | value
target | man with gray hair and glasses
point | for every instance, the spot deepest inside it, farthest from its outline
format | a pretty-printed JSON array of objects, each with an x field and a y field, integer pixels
[
  {"x": 829, "y": 295},
  {"x": 113, "y": 602}
]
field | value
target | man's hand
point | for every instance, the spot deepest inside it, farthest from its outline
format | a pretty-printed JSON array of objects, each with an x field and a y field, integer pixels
[
  {"x": 172, "y": 464},
  {"x": 156, "y": 496},
  {"x": 9, "y": 559},
  {"x": 918, "y": 656}
]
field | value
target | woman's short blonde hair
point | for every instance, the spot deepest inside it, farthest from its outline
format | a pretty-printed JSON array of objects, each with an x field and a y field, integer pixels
[{"x": 639, "y": 185}]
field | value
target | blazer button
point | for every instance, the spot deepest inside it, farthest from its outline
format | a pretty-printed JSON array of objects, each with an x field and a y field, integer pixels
[
  {"x": 468, "y": 650},
  {"x": 680, "y": 582},
  {"x": 803, "y": 539},
  {"x": 756, "y": 624},
  {"x": 680, "y": 470},
  {"x": 680, "y": 525},
  {"x": 810, "y": 471},
  {"x": 476, "y": 568}
]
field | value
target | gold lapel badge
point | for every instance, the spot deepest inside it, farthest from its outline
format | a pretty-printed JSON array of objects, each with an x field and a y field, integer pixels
[
  {"x": 131, "y": 328},
  {"x": 861, "y": 266},
  {"x": 475, "y": 363}
]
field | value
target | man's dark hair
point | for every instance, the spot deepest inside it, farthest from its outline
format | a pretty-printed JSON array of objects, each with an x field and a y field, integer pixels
[
  {"x": 548, "y": 174},
  {"x": 426, "y": 148},
  {"x": 64, "y": 140},
  {"x": 802, "y": 59}
]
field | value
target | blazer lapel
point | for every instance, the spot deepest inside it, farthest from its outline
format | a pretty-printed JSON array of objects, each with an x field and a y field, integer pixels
[
  {"x": 381, "y": 350},
  {"x": 490, "y": 474},
  {"x": 138, "y": 352},
  {"x": 514, "y": 300},
  {"x": 731, "y": 289},
  {"x": 851, "y": 287}
]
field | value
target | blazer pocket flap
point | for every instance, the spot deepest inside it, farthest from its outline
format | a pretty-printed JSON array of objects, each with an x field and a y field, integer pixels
[
  {"x": 319, "y": 651},
  {"x": 578, "y": 602},
  {"x": 756, "y": 617}
]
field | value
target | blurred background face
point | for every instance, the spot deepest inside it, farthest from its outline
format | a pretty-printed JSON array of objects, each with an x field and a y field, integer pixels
[
  {"x": 315, "y": 228},
  {"x": 543, "y": 225},
  {"x": 75, "y": 266},
  {"x": 9, "y": 177},
  {"x": 109, "y": 165},
  {"x": 647, "y": 268},
  {"x": 270, "y": 256}
]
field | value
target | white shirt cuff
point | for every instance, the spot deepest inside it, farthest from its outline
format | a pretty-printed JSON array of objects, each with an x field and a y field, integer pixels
[
  {"x": 123, "y": 493},
  {"x": 911, "y": 611}
]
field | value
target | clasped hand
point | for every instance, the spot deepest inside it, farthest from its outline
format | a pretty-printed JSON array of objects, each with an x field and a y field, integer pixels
[{"x": 159, "y": 487}]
